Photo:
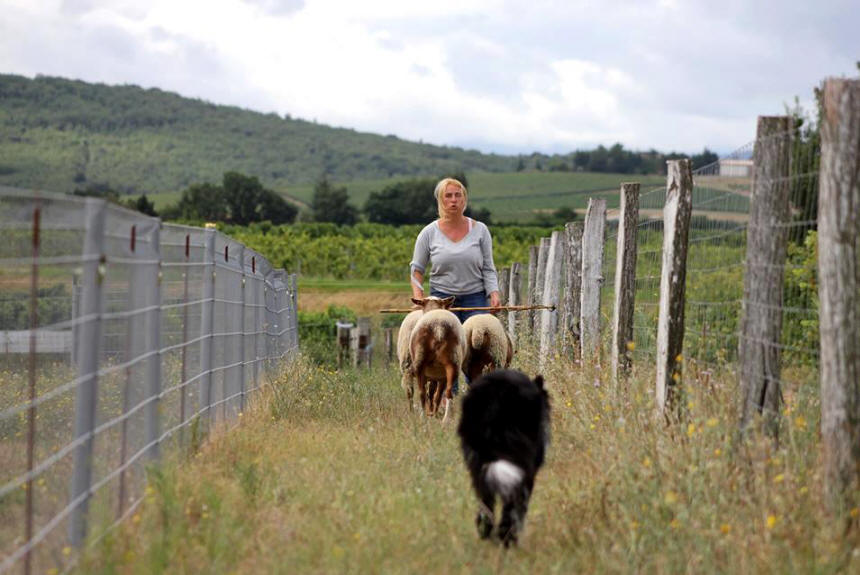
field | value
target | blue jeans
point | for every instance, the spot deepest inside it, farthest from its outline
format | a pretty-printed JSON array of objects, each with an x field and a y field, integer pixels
[{"x": 478, "y": 299}]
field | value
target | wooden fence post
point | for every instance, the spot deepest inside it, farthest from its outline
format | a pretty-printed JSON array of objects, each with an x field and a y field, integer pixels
[
  {"x": 390, "y": 343},
  {"x": 767, "y": 245},
  {"x": 515, "y": 298},
  {"x": 673, "y": 276},
  {"x": 550, "y": 294},
  {"x": 361, "y": 343},
  {"x": 839, "y": 286},
  {"x": 571, "y": 303},
  {"x": 625, "y": 280},
  {"x": 543, "y": 254},
  {"x": 504, "y": 285},
  {"x": 592, "y": 278},
  {"x": 343, "y": 342},
  {"x": 534, "y": 255},
  {"x": 504, "y": 291}
]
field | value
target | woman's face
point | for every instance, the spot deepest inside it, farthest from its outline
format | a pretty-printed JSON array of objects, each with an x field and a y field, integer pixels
[{"x": 453, "y": 199}]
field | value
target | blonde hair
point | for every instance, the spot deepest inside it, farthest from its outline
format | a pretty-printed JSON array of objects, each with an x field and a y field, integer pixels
[{"x": 439, "y": 192}]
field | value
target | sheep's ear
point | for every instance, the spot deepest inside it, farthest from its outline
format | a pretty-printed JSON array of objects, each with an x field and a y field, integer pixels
[
  {"x": 539, "y": 381},
  {"x": 418, "y": 301},
  {"x": 448, "y": 302}
]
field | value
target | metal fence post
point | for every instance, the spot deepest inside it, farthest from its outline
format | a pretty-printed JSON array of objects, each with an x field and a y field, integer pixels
[
  {"x": 294, "y": 319},
  {"x": 257, "y": 327},
  {"x": 207, "y": 315},
  {"x": 241, "y": 314},
  {"x": 88, "y": 364},
  {"x": 184, "y": 353},
  {"x": 153, "y": 346}
]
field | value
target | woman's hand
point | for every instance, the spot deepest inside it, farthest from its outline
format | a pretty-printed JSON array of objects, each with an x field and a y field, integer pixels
[{"x": 495, "y": 299}]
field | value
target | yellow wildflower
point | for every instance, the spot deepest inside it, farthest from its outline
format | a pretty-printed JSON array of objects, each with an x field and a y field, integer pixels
[
  {"x": 725, "y": 528},
  {"x": 771, "y": 521}
]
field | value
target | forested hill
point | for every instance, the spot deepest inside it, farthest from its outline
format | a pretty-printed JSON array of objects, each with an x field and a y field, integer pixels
[{"x": 61, "y": 135}]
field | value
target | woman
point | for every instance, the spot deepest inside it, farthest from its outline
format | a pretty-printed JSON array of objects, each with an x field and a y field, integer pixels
[{"x": 460, "y": 251}]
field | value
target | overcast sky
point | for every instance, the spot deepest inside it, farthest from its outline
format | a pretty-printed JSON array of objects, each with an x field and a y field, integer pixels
[{"x": 500, "y": 76}]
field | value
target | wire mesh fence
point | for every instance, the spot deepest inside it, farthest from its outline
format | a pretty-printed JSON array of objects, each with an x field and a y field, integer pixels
[
  {"x": 717, "y": 261},
  {"x": 121, "y": 338}
]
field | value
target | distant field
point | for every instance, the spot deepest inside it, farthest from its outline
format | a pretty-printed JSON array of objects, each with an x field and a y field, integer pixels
[{"x": 517, "y": 196}]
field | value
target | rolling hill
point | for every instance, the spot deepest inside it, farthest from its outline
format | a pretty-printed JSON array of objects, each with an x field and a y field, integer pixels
[{"x": 60, "y": 135}]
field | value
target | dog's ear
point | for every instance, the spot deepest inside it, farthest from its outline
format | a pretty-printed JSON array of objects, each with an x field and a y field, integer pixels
[
  {"x": 448, "y": 302},
  {"x": 539, "y": 381}
]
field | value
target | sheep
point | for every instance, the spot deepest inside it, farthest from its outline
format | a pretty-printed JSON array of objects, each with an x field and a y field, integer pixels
[
  {"x": 437, "y": 346},
  {"x": 404, "y": 358},
  {"x": 487, "y": 345}
]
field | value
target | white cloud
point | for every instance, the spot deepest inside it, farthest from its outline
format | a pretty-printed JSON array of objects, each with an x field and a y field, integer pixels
[{"x": 502, "y": 75}]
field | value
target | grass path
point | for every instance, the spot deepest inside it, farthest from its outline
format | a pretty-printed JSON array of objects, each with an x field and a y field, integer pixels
[{"x": 330, "y": 474}]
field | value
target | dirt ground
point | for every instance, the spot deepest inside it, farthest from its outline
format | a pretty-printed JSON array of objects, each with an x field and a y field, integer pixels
[{"x": 364, "y": 303}]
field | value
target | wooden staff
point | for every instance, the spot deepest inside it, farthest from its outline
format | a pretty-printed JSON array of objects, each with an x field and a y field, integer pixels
[{"x": 486, "y": 308}]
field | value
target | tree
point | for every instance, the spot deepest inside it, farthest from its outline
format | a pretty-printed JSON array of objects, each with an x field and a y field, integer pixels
[
  {"x": 406, "y": 202},
  {"x": 521, "y": 164},
  {"x": 275, "y": 209},
  {"x": 200, "y": 202},
  {"x": 143, "y": 205},
  {"x": 480, "y": 214},
  {"x": 706, "y": 158},
  {"x": 243, "y": 195},
  {"x": 248, "y": 201},
  {"x": 239, "y": 200},
  {"x": 331, "y": 204}
]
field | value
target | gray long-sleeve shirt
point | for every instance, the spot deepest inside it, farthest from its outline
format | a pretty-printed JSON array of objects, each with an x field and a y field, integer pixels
[{"x": 458, "y": 268}]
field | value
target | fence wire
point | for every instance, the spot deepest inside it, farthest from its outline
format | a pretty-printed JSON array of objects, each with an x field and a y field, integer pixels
[
  {"x": 122, "y": 338},
  {"x": 715, "y": 302}
]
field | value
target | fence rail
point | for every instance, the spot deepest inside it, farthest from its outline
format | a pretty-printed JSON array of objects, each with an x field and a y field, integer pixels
[{"x": 120, "y": 338}]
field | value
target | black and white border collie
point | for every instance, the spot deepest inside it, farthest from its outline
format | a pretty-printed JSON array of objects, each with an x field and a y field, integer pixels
[{"x": 504, "y": 432}]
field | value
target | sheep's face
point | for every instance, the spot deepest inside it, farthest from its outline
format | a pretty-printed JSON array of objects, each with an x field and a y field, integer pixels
[{"x": 433, "y": 302}]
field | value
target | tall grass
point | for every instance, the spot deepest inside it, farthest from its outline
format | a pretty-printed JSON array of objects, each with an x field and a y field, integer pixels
[{"x": 330, "y": 473}]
